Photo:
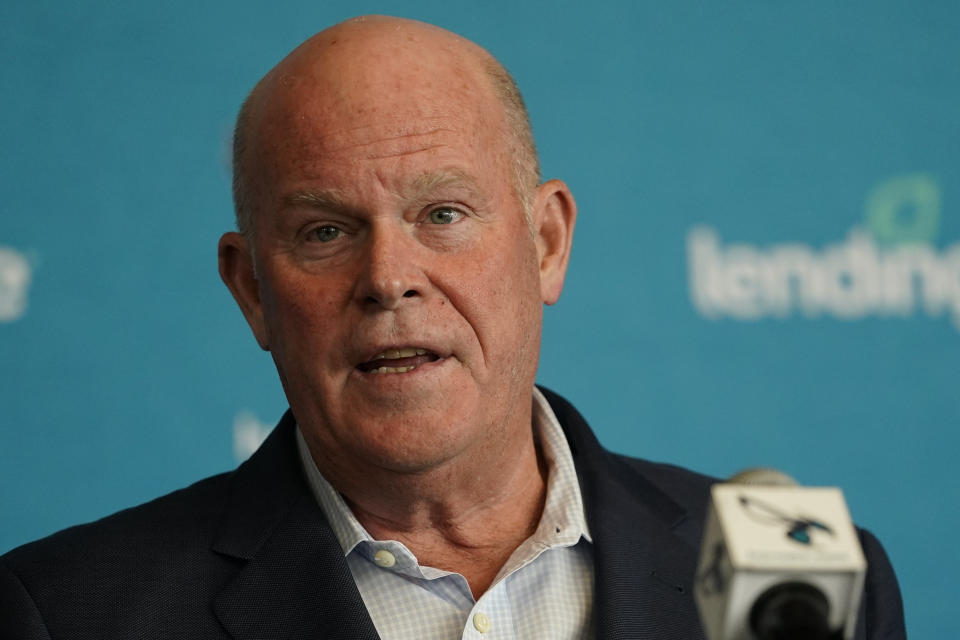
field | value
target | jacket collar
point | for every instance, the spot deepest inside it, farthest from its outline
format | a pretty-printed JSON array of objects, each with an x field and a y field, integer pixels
[{"x": 643, "y": 570}]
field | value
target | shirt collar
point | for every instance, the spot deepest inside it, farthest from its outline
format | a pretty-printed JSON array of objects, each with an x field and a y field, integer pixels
[
  {"x": 345, "y": 525},
  {"x": 563, "y": 508},
  {"x": 562, "y": 523}
]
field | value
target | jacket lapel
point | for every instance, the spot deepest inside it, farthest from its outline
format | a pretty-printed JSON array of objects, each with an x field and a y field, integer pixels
[
  {"x": 294, "y": 583},
  {"x": 643, "y": 569}
]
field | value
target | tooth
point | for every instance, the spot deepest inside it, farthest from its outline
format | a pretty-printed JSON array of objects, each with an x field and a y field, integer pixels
[
  {"x": 394, "y": 369},
  {"x": 391, "y": 354}
]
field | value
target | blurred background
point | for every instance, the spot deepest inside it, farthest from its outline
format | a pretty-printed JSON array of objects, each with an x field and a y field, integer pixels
[{"x": 766, "y": 268}]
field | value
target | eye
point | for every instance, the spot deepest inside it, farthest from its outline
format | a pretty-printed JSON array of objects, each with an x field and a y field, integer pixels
[
  {"x": 445, "y": 215},
  {"x": 324, "y": 233}
]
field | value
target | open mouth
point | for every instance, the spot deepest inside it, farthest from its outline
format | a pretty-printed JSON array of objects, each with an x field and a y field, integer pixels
[{"x": 398, "y": 360}]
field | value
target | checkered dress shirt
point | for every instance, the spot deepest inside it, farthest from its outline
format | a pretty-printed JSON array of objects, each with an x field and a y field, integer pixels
[{"x": 544, "y": 591}]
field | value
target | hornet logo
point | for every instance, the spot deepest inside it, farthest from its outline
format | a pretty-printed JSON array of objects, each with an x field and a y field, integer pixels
[{"x": 798, "y": 527}]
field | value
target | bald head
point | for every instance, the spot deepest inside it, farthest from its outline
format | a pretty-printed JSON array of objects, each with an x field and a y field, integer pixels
[{"x": 366, "y": 67}]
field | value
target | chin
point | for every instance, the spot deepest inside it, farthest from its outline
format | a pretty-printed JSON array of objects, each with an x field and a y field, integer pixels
[{"x": 412, "y": 444}]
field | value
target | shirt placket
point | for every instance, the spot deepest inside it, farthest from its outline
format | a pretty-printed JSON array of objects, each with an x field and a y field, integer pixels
[{"x": 491, "y": 618}]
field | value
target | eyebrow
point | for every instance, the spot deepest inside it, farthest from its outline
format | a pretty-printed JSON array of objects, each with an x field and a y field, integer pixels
[
  {"x": 329, "y": 199},
  {"x": 422, "y": 185},
  {"x": 430, "y": 182}
]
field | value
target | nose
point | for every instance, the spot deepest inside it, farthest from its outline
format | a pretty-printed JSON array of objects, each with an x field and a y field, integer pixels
[{"x": 391, "y": 273}]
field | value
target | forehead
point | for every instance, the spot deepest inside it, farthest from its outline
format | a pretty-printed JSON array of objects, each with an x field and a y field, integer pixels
[
  {"x": 405, "y": 153},
  {"x": 375, "y": 99}
]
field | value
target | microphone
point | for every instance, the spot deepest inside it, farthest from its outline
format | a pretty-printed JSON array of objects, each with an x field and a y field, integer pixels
[{"x": 778, "y": 561}]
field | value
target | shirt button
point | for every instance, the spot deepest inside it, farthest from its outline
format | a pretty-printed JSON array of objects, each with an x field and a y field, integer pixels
[
  {"x": 481, "y": 622},
  {"x": 384, "y": 559}
]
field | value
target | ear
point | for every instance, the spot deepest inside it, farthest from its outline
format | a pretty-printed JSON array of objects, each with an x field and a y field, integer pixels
[
  {"x": 554, "y": 215},
  {"x": 239, "y": 274}
]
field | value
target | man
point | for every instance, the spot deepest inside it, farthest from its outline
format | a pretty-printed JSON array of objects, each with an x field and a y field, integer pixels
[{"x": 395, "y": 248}]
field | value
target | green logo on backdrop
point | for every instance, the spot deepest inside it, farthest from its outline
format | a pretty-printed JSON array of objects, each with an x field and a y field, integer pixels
[{"x": 904, "y": 210}]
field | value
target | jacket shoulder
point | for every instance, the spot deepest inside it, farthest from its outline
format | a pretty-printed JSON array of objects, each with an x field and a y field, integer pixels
[
  {"x": 176, "y": 518},
  {"x": 172, "y": 532},
  {"x": 670, "y": 478},
  {"x": 130, "y": 570}
]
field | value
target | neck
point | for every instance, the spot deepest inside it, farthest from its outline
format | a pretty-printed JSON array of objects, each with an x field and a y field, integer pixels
[{"x": 465, "y": 516}]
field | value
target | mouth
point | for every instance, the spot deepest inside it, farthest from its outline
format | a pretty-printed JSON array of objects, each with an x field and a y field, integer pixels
[{"x": 401, "y": 360}]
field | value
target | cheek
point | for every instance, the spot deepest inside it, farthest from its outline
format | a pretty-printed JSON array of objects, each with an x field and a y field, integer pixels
[
  {"x": 504, "y": 297},
  {"x": 515, "y": 274},
  {"x": 300, "y": 311}
]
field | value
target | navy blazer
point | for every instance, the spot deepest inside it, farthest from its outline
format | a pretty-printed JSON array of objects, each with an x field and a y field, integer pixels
[{"x": 249, "y": 555}]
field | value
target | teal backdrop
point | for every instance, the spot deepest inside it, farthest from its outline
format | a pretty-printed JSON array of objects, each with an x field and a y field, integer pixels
[{"x": 766, "y": 267}]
